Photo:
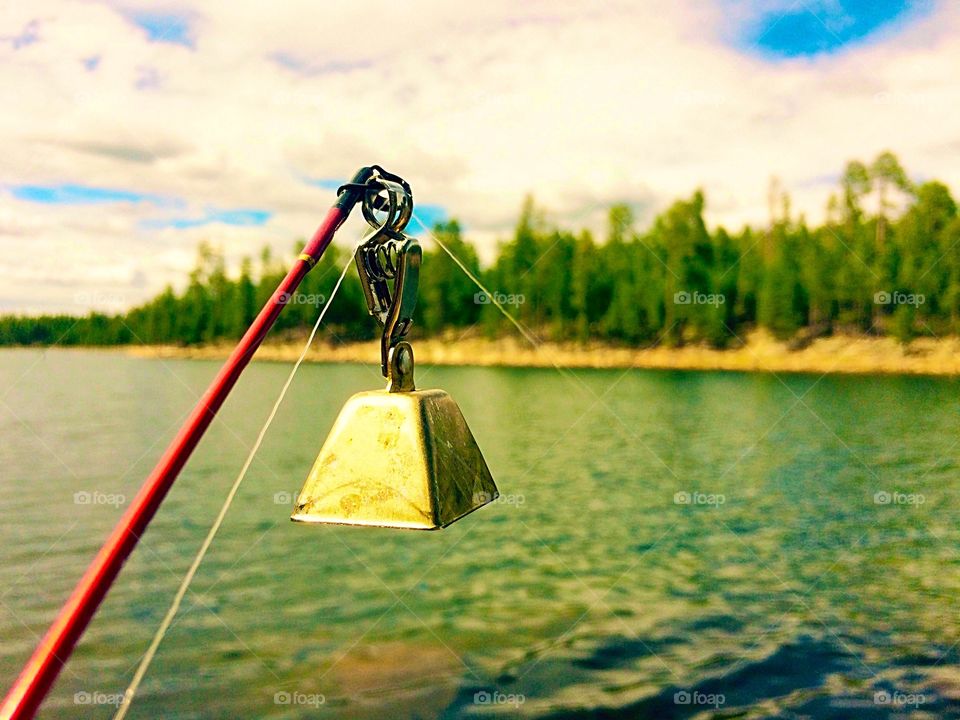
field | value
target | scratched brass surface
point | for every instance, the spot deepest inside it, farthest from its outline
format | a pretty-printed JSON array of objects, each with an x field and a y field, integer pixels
[{"x": 404, "y": 460}]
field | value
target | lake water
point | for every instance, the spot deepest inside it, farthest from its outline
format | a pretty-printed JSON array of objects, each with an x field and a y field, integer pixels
[{"x": 668, "y": 545}]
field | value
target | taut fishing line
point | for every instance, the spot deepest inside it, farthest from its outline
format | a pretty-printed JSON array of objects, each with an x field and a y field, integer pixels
[
  {"x": 188, "y": 578},
  {"x": 491, "y": 296},
  {"x": 493, "y": 300}
]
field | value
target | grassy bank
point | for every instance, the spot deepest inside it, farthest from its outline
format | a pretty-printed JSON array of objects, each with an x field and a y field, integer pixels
[{"x": 837, "y": 354}]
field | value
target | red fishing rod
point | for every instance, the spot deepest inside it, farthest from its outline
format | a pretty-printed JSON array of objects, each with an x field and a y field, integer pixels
[{"x": 376, "y": 188}]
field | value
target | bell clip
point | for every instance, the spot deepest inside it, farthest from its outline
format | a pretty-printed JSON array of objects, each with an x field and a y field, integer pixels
[{"x": 398, "y": 457}]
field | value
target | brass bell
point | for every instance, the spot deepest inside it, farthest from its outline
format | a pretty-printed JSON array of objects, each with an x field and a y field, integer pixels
[{"x": 399, "y": 457}]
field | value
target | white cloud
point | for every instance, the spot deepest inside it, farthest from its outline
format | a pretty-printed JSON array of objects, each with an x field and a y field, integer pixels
[{"x": 475, "y": 105}]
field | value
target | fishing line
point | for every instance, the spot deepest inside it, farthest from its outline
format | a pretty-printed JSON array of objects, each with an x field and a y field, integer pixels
[
  {"x": 188, "y": 578},
  {"x": 144, "y": 664},
  {"x": 493, "y": 299}
]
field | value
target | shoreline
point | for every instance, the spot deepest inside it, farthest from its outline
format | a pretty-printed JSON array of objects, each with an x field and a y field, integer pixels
[{"x": 838, "y": 354}]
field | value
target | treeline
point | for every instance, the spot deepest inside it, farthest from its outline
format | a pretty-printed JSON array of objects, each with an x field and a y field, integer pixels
[{"x": 885, "y": 261}]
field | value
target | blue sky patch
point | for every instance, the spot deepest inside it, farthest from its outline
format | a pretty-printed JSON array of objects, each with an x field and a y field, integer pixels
[
  {"x": 91, "y": 63},
  {"x": 239, "y": 217},
  {"x": 72, "y": 194},
  {"x": 26, "y": 37},
  {"x": 429, "y": 215},
  {"x": 164, "y": 27},
  {"x": 807, "y": 28}
]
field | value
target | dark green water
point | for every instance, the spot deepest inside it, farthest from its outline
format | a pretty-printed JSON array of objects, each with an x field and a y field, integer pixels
[{"x": 787, "y": 588}]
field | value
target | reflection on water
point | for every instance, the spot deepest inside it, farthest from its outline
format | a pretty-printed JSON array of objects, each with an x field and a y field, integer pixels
[{"x": 668, "y": 545}]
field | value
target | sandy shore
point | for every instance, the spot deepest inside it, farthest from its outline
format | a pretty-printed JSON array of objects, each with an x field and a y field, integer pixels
[{"x": 837, "y": 354}]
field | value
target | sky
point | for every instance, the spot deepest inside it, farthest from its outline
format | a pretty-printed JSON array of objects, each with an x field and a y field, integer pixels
[{"x": 132, "y": 131}]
